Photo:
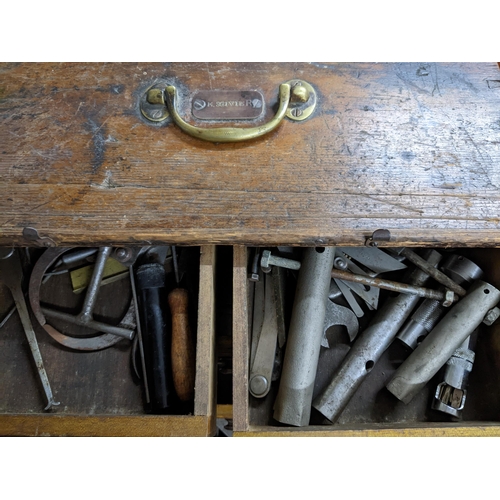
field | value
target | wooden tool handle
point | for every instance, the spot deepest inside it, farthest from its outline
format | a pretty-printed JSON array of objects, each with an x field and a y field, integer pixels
[{"x": 183, "y": 352}]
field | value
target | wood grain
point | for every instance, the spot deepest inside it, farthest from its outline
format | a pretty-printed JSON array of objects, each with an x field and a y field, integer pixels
[
  {"x": 409, "y": 147},
  {"x": 205, "y": 402},
  {"x": 241, "y": 340},
  {"x": 104, "y": 425},
  {"x": 484, "y": 429}
]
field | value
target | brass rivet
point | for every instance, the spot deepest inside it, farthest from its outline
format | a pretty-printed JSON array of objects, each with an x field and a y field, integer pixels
[{"x": 299, "y": 93}]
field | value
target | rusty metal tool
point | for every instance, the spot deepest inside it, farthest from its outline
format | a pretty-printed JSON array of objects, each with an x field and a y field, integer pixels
[
  {"x": 446, "y": 297},
  {"x": 11, "y": 274},
  {"x": 183, "y": 350},
  {"x": 370, "y": 346},
  {"x": 111, "y": 334},
  {"x": 442, "y": 342},
  {"x": 433, "y": 272}
]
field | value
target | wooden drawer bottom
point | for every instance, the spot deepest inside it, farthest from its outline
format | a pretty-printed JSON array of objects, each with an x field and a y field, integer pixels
[{"x": 97, "y": 394}]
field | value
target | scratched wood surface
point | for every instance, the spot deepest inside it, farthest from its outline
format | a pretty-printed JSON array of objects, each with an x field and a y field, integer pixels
[{"x": 411, "y": 147}]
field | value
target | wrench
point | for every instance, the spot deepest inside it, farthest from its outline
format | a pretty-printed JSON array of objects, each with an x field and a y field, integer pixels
[{"x": 11, "y": 273}]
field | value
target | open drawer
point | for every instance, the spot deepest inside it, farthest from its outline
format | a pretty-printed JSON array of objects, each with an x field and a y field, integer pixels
[
  {"x": 371, "y": 410},
  {"x": 97, "y": 390}
]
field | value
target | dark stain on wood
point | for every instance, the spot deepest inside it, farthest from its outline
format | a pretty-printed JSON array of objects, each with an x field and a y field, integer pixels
[
  {"x": 98, "y": 143},
  {"x": 385, "y": 148}
]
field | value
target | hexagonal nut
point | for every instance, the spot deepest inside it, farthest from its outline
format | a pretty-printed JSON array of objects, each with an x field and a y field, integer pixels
[{"x": 491, "y": 316}]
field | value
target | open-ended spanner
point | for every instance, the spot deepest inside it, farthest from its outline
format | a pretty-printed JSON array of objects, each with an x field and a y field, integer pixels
[{"x": 11, "y": 274}]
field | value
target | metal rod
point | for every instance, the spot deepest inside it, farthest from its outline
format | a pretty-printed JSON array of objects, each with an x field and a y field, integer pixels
[
  {"x": 393, "y": 286},
  {"x": 8, "y": 315},
  {"x": 95, "y": 283},
  {"x": 433, "y": 272},
  {"x": 89, "y": 323},
  {"x": 139, "y": 333}
]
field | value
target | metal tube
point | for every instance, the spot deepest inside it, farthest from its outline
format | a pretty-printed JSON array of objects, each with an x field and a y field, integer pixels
[
  {"x": 437, "y": 348},
  {"x": 293, "y": 403},
  {"x": 370, "y": 345},
  {"x": 393, "y": 286}
]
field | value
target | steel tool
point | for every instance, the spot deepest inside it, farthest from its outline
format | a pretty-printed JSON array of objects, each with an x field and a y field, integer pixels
[
  {"x": 11, "y": 274},
  {"x": 437, "y": 348},
  {"x": 435, "y": 273},
  {"x": 451, "y": 393},
  {"x": 265, "y": 342},
  {"x": 370, "y": 345},
  {"x": 463, "y": 271},
  {"x": 268, "y": 259},
  {"x": 339, "y": 315},
  {"x": 447, "y": 298},
  {"x": 367, "y": 261},
  {"x": 111, "y": 333},
  {"x": 293, "y": 402}
]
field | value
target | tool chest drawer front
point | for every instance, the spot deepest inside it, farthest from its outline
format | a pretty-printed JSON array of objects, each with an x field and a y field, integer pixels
[
  {"x": 125, "y": 351},
  {"x": 91, "y": 154},
  {"x": 346, "y": 341}
]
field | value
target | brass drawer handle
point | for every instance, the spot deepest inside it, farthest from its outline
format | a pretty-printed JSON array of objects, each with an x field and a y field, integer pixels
[
  {"x": 297, "y": 101},
  {"x": 228, "y": 134}
]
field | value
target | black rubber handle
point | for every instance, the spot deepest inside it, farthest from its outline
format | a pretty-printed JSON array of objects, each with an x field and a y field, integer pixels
[{"x": 156, "y": 335}]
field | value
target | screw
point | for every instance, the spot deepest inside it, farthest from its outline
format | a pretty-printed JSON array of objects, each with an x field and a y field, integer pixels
[
  {"x": 123, "y": 254},
  {"x": 340, "y": 263},
  {"x": 297, "y": 112},
  {"x": 269, "y": 260}
]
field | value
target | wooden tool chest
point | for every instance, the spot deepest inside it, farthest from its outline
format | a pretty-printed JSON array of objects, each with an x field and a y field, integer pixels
[{"x": 90, "y": 156}]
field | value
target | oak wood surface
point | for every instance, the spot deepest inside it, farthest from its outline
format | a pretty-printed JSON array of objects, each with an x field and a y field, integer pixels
[
  {"x": 105, "y": 425},
  {"x": 410, "y": 147},
  {"x": 241, "y": 339},
  {"x": 428, "y": 429},
  {"x": 205, "y": 402}
]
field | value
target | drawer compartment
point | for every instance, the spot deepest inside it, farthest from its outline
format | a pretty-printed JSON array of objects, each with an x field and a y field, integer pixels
[
  {"x": 98, "y": 392},
  {"x": 372, "y": 409}
]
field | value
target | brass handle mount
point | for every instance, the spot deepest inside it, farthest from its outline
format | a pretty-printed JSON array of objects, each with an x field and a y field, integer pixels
[{"x": 297, "y": 101}]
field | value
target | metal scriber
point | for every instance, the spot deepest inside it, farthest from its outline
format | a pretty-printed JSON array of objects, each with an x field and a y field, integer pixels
[{"x": 11, "y": 274}]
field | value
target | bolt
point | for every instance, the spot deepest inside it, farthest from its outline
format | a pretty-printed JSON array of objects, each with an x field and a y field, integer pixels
[
  {"x": 123, "y": 254},
  {"x": 340, "y": 263},
  {"x": 269, "y": 260},
  {"x": 491, "y": 316}
]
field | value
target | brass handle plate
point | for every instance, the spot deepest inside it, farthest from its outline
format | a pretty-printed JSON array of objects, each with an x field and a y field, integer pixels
[{"x": 297, "y": 101}]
